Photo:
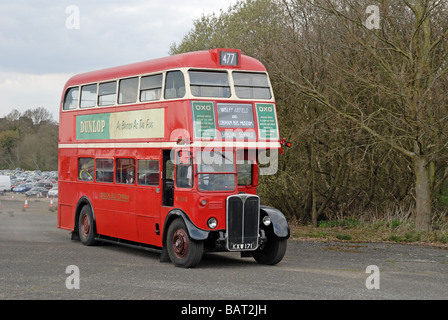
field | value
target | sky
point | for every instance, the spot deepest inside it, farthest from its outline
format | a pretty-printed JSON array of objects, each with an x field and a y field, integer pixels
[{"x": 45, "y": 42}]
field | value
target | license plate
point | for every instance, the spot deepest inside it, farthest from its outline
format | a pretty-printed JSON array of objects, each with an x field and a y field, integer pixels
[{"x": 242, "y": 246}]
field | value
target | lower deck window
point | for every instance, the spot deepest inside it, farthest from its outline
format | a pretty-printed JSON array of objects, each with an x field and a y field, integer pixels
[
  {"x": 105, "y": 170},
  {"x": 86, "y": 168},
  {"x": 125, "y": 171},
  {"x": 148, "y": 172}
]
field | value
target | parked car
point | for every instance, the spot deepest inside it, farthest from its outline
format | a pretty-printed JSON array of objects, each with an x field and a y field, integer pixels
[
  {"x": 37, "y": 190},
  {"x": 5, "y": 184},
  {"x": 53, "y": 192},
  {"x": 44, "y": 183},
  {"x": 24, "y": 187}
]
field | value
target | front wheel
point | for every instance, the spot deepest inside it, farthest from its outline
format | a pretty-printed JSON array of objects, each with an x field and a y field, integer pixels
[
  {"x": 183, "y": 251},
  {"x": 272, "y": 252}
]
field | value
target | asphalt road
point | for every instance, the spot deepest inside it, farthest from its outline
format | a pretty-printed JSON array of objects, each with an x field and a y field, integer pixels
[{"x": 37, "y": 259}]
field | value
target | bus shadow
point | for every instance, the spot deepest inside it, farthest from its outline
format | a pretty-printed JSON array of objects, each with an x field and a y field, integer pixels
[
  {"x": 209, "y": 259},
  {"x": 130, "y": 250},
  {"x": 225, "y": 259}
]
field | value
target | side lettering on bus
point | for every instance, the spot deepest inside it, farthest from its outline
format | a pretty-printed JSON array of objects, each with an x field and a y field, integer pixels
[
  {"x": 267, "y": 121},
  {"x": 204, "y": 119},
  {"x": 92, "y": 126},
  {"x": 121, "y": 125}
]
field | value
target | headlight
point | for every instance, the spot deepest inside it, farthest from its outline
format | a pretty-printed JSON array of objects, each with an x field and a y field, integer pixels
[
  {"x": 267, "y": 221},
  {"x": 212, "y": 223}
]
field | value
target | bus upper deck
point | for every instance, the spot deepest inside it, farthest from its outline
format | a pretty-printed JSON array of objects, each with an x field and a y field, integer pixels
[{"x": 216, "y": 95}]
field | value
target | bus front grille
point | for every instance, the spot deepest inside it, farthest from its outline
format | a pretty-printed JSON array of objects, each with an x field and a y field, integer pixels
[{"x": 242, "y": 214}]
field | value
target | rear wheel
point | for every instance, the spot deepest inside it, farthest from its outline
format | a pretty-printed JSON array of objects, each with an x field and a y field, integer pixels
[
  {"x": 183, "y": 251},
  {"x": 86, "y": 226},
  {"x": 271, "y": 252}
]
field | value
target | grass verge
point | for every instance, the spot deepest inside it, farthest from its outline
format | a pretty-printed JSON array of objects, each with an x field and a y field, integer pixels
[{"x": 354, "y": 230}]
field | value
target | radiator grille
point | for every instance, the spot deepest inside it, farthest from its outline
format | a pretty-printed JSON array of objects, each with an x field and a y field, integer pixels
[{"x": 243, "y": 213}]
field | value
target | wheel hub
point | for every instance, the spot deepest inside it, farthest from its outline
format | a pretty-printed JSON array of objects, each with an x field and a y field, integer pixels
[
  {"x": 85, "y": 226},
  {"x": 180, "y": 243}
]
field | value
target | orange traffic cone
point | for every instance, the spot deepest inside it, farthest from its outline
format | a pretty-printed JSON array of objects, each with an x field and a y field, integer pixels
[
  {"x": 26, "y": 203},
  {"x": 51, "y": 203}
]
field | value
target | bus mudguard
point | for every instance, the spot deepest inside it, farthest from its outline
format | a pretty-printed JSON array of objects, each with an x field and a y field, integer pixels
[
  {"x": 82, "y": 202},
  {"x": 194, "y": 232},
  {"x": 279, "y": 222}
]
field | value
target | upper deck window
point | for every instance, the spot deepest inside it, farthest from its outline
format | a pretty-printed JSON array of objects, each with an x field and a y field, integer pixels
[
  {"x": 174, "y": 85},
  {"x": 88, "y": 95},
  {"x": 128, "y": 91},
  {"x": 251, "y": 85},
  {"x": 107, "y": 93},
  {"x": 71, "y": 99},
  {"x": 209, "y": 84},
  {"x": 151, "y": 88}
]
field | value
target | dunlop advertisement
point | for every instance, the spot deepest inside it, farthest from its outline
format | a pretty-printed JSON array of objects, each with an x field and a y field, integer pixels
[{"x": 121, "y": 125}]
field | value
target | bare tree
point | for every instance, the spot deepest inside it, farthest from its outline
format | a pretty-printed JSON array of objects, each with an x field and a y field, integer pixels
[
  {"x": 359, "y": 87},
  {"x": 38, "y": 115},
  {"x": 387, "y": 81}
]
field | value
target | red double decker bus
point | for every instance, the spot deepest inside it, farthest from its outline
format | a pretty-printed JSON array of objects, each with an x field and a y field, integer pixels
[{"x": 162, "y": 155}]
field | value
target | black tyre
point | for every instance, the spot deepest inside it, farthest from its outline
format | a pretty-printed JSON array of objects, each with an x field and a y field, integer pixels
[
  {"x": 271, "y": 252},
  {"x": 86, "y": 227},
  {"x": 183, "y": 251}
]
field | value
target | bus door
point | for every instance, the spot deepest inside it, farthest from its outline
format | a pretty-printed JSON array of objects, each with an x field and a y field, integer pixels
[
  {"x": 168, "y": 180},
  {"x": 184, "y": 179},
  {"x": 148, "y": 198}
]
